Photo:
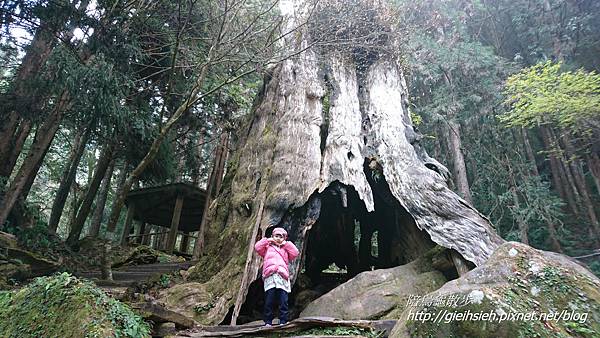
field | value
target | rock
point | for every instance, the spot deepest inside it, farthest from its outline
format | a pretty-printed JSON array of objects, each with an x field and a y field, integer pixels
[
  {"x": 159, "y": 314},
  {"x": 516, "y": 283},
  {"x": 146, "y": 255},
  {"x": 12, "y": 270},
  {"x": 39, "y": 265},
  {"x": 19, "y": 264},
  {"x": 305, "y": 297},
  {"x": 64, "y": 306},
  {"x": 190, "y": 300},
  {"x": 7, "y": 240},
  {"x": 375, "y": 294},
  {"x": 164, "y": 329}
]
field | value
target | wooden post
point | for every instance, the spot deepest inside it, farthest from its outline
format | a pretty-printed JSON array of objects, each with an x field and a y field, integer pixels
[
  {"x": 160, "y": 240},
  {"x": 146, "y": 231},
  {"x": 106, "y": 263},
  {"x": 127, "y": 227},
  {"x": 155, "y": 238},
  {"x": 140, "y": 232},
  {"x": 185, "y": 242},
  {"x": 174, "y": 224}
]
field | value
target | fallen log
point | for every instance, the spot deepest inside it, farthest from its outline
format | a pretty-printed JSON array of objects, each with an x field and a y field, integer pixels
[{"x": 295, "y": 325}]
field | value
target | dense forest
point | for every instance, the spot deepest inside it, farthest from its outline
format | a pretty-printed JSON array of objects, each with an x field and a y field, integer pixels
[{"x": 100, "y": 99}]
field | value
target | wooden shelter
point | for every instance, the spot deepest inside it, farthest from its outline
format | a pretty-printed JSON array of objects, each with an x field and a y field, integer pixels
[{"x": 178, "y": 207}]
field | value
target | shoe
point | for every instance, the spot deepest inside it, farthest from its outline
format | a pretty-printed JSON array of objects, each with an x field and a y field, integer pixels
[{"x": 267, "y": 325}]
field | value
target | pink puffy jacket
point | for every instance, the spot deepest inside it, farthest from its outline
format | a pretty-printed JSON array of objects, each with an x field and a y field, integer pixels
[{"x": 276, "y": 258}]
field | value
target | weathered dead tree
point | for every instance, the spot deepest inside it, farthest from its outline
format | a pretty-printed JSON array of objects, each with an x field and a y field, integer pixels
[{"x": 330, "y": 147}]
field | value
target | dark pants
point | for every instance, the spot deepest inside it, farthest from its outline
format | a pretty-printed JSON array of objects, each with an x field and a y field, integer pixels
[{"x": 281, "y": 297}]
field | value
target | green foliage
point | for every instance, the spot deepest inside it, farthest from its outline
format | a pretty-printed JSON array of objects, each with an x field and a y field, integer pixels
[
  {"x": 203, "y": 308},
  {"x": 164, "y": 280},
  {"x": 545, "y": 94},
  {"x": 64, "y": 306},
  {"x": 595, "y": 267},
  {"x": 338, "y": 331}
]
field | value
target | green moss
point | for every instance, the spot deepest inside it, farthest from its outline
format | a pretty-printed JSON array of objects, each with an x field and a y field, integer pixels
[
  {"x": 328, "y": 331},
  {"x": 64, "y": 306},
  {"x": 556, "y": 290}
]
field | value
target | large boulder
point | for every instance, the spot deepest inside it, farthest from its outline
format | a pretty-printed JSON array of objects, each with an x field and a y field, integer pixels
[
  {"x": 18, "y": 264},
  {"x": 64, "y": 306},
  {"x": 518, "y": 292},
  {"x": 376, "y": 294},
  {"x": 191, "y": 300}
]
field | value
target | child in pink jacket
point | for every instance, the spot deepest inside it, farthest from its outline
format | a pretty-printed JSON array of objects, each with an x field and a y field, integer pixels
[{"x": 277, "y": 253}]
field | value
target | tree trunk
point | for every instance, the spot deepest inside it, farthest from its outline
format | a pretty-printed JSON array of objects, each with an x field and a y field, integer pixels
[
  {"x": 164, "y": 132},
  {"x": 523, "y": 226},
  {"x": 84, "y": 210},
  {"x": 214, "y": 182},
  {"x": 27, "y": 187},
  {"x": 101, "y": 201},
  {"x": 529, "y": 152},
  {"x": 8, "y": 128},
  {"x": 577, "y": 173},
  {"x": 68, "y": 177},
  {"x": 296, "y": 156},
  {"x": 558, "y": 177},
  {"x": 593, "y": 162},
  {"x": 553, "y": 236},
  {"x": 460, "y": 170},
  {"x": 20, "y": 94},
  {"x": 120, "y": 186},
  {"x": 13, "y": 149},
  {"x": 35, "y": 155}
]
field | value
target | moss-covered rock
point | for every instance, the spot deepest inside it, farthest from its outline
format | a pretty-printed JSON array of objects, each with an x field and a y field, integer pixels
[
  {"x": 18, "y": 264},
  {"x": 145, "y": 255},
  {"x": 64, "y": 306},
  {"x": 514, "y": 288}
]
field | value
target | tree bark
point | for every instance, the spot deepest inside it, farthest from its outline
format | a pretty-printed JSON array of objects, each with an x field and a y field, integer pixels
[
  {"x": 552, "y": 234},
  {"x": 36, "y": 56},
  {"x": 593, "y": 162},
  {"x": 120, "y": 186},
  {"x": 460, "y": 170},
  {"x": 68, "y": 177},
  {"x": 31, "y": 179},
  {"x": 84, "y": 210},
  {"x": 13, "y": 149},
  {"x": 295, "y": 150},
  {"x": 213, "y": 184},
  {"x": 128, "y": 223},
  {"x": 575, "y": 165},
  {"x": 35, "y": 155},
  {"x": 101, "y": 201},
  {"x": 529, "y": 152},
  {"x": 523, "y": 226},
  {"x": 558, "y": 177}
]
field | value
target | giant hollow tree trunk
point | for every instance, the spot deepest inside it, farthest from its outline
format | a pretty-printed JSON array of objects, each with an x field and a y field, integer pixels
[{"x": 330, "y": 146}]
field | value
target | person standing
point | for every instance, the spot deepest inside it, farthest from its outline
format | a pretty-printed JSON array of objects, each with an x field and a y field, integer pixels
[{"x": 277, "y": 252}]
